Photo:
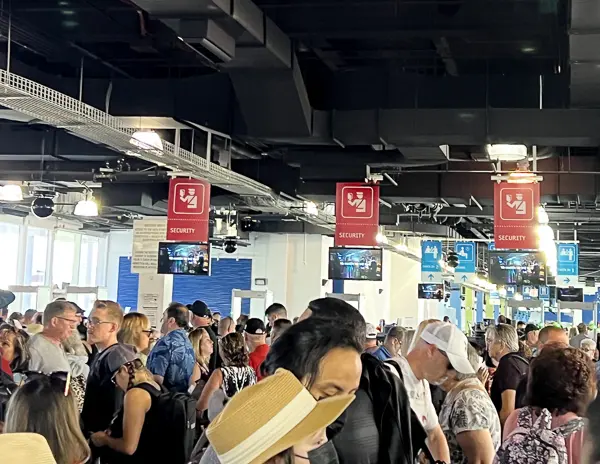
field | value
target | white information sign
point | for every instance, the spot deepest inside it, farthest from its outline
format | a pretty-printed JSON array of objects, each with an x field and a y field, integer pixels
[{"x": 147, "y": 233}]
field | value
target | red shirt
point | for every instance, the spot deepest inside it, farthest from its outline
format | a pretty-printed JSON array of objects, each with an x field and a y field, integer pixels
[
  {"x": 5, "y": 366},
  {"x": 257, "y": 357}
]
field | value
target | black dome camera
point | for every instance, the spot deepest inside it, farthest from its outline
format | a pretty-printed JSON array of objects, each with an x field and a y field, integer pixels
[
  {"x": 42, "y": 207},
  {"x": 230, "y": 246}
]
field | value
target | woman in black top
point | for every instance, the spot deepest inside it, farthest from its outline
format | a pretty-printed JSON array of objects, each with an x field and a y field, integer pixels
[{"x": 137, "y": 429}]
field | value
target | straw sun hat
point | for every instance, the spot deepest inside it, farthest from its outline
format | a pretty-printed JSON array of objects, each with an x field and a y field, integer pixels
[
  {"x": 265, "y": 419},
  {"x": 25, "y": 448}
]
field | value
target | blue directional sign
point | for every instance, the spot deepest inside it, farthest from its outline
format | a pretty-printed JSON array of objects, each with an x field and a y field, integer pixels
[
  {"x": 511, "y": 290},
  {"x": 467, "y": 262},
  {"x": 544, "y": 293},
  {"x": 491, "y": 246},
  {"x": 567, "y": 264},
  {"x": 431, "y": 254}
]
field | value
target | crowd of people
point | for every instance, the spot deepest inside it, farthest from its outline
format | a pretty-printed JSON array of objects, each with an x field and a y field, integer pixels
[{"x": 326, "y": 388}]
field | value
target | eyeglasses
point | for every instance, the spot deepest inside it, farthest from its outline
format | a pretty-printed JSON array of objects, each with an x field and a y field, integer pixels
[
  {"x": 95, "y": 321},
  {"x": 148, "y": 332},
  {"x": 72, "y": 321},
  {"x": 60, "y": 379}
]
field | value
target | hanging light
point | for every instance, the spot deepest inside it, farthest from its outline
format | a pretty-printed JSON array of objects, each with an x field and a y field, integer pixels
[
  {"x": 506, "y": 152},
  {"x": 11, "y": 192},
  {"x": 542, "y": 215},
  {"x": 146, "y": 140},
  {"x": 381, "y": 238},
  {"x": 87, "y": 207}
]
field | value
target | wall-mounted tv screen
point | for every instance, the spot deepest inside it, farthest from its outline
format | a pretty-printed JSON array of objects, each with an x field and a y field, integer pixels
[
  {"x": 570, "y": 294},
  {"x": 355, "y": 263},
  {"x": 431, "y": 291},
  {"x": 517, "y": 268},
  {"x": 184, "y": 258}
]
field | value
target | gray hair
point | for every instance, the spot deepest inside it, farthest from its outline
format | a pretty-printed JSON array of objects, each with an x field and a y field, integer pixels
[
  {"x": 505, "y": 334},
  {"x": 588, "y": 341},
  {"x": 474, "y": 361}
]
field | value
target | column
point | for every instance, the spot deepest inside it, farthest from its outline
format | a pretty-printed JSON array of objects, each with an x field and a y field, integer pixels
[{"x": 155, "y": 293}]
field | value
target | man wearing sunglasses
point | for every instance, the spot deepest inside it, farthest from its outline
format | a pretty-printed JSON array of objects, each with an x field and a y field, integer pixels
[{"x": 45, "y": 349}]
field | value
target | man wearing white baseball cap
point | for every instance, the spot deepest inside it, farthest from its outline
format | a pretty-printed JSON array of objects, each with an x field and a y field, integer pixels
[{"x": 442, "y": 347}]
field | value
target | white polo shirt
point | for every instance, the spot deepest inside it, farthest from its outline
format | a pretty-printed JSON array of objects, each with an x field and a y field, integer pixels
[{"x": 419, "y": 395}]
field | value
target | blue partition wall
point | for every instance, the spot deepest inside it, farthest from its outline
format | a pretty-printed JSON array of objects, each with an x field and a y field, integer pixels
[{"x": 215, "y": 290}]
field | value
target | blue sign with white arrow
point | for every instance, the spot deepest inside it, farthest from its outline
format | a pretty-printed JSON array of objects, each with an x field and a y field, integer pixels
[
  {"x": 467, "y": 261},
  {"x": 567, "y": 255},
  {"x": 431, "y": 254}
]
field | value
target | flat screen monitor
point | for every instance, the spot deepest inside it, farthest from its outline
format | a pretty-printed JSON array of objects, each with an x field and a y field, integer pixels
[
  {"x": 517, "y": 268},
  {"x": 570, "y": 294},
  {"x": 355, "y": 263},
  {"x": 431, "y": 291},
  {"x": 184, "y": 258}
]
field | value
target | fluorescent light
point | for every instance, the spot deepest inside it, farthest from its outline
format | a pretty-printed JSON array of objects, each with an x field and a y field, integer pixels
[
  {"x": 86, "y": 208},
  {"x": 11, "y": 192},
  {"x": 401, "y": 247},
  {"x": 506, "y": 152},
  {"x": 147, "y": 140},
  {"x": 311, "y": 208}
]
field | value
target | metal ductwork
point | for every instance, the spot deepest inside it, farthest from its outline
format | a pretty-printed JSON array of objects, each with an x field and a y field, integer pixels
[
  {"x": 418, "y": 154},
  {"x": 259, "y": 56},
  {"x": 584, "y": 45}
]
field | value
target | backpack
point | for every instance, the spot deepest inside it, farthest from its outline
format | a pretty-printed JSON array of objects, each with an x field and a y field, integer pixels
[
  {"x": 177, "y": 411},
  {"x": 537, "y": 442}
]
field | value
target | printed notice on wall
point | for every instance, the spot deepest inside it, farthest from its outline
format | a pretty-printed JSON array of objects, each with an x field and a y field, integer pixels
[
  {"x": 147, "y": 233},
  {"x": 150, "y": 308}
]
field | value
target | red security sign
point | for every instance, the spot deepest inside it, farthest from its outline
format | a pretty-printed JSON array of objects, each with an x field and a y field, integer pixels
[
  {"x": 515, "y": 215},
  {"x": 189, "y": 207},
  {"x": 356, "y": 214}
]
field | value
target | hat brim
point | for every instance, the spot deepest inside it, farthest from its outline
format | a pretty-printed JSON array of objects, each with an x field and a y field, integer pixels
[
  {"x": 26, "y": 448},
  {"x": 460, "y": 364},
  {"x": 325, "y": 412}
]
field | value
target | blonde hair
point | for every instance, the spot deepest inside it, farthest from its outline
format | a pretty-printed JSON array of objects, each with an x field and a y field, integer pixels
[
  {"x": 133, "y": 326},
  {"x": 40, "y": 406},
  {"x": 114, "y": 312},
  {"x": 196, "y": 337}
]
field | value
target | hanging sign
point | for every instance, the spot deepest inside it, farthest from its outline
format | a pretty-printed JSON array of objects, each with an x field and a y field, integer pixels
[
  {"x": 467, "y": 257},
  {"x": 356, "y": 214},
  {"x": 431, "y": 253},
  {"x": 567, "y": 266},
  {"x": 189, "y": 208},
  {"x": 515, "y": 220}
]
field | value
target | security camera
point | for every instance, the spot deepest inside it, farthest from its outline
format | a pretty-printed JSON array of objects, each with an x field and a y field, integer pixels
[
  {"x": 230, "y": 246},
  {"x": 42, "y": 207}
]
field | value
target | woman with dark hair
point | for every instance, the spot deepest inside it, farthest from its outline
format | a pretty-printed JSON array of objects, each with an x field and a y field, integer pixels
[
  {"x": 337, "y": 310},
  {"x": 226, "y": 381},
  {"x": 561, "y": 385},
  {"x": 323, "y": 355}
]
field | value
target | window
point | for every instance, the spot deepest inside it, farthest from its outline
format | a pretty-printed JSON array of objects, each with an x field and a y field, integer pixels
[
  {"x": 36, "y": 254},
  {"x": 64, "y": 258},
  {"x": 88, "y": 261},
  {"x": 9, "y": 254}
]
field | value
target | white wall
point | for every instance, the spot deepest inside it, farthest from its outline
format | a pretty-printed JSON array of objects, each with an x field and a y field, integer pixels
[{"x": 405, "y": 276}]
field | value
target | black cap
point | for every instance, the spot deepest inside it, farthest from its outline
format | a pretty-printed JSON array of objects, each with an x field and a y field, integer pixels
[
  {"x": 200, "y": 309},
  {"x": 530, "y": 328},
  {"x": 255, "y": 326}
]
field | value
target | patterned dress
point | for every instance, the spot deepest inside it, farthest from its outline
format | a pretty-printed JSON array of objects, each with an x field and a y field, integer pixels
[
  {"x": 234, "y": 380},
  {"x": 468, "y": 407}
]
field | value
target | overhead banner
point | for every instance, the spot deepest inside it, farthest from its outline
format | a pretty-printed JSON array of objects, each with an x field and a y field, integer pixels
[
  {"x": 356, "y": 214},
  {"x": 189, "y": 208},
  {"x": 431, "y": 254},
  {"x": 466, "y": 271},
  {"x": 515, "y": 220},
  {"x": 567, "y": 266}
]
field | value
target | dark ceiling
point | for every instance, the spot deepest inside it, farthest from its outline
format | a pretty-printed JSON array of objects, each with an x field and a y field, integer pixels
[{"x": 313, "y": 91}]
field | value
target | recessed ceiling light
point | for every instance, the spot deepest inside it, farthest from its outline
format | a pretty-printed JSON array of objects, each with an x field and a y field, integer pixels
[
  {"x": 528, "y": 49},
  {"x": 70, "y": 24}
]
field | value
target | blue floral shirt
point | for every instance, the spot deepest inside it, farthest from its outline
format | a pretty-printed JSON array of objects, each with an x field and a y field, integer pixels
[{"x": 173, "y": 359}]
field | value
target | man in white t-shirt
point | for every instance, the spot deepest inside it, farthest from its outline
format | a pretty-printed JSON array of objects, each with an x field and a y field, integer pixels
[{"x": 442, "y": 347}]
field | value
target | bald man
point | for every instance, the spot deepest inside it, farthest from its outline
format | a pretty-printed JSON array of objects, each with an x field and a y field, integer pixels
[{"x": 550, "y": 337}]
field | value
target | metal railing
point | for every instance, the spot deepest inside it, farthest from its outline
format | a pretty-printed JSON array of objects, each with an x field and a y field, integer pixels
[{"x": 85, "y": 121}]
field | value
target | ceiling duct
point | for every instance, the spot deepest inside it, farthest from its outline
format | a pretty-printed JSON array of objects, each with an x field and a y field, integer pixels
[
  {"x": 206, "y": 36},
  {"x": 584, "y": 48}
]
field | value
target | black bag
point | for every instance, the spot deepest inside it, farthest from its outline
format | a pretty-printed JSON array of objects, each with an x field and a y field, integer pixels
[
  {"x": 7, "y": 388},
  {"x": 177, "y": 413}
]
